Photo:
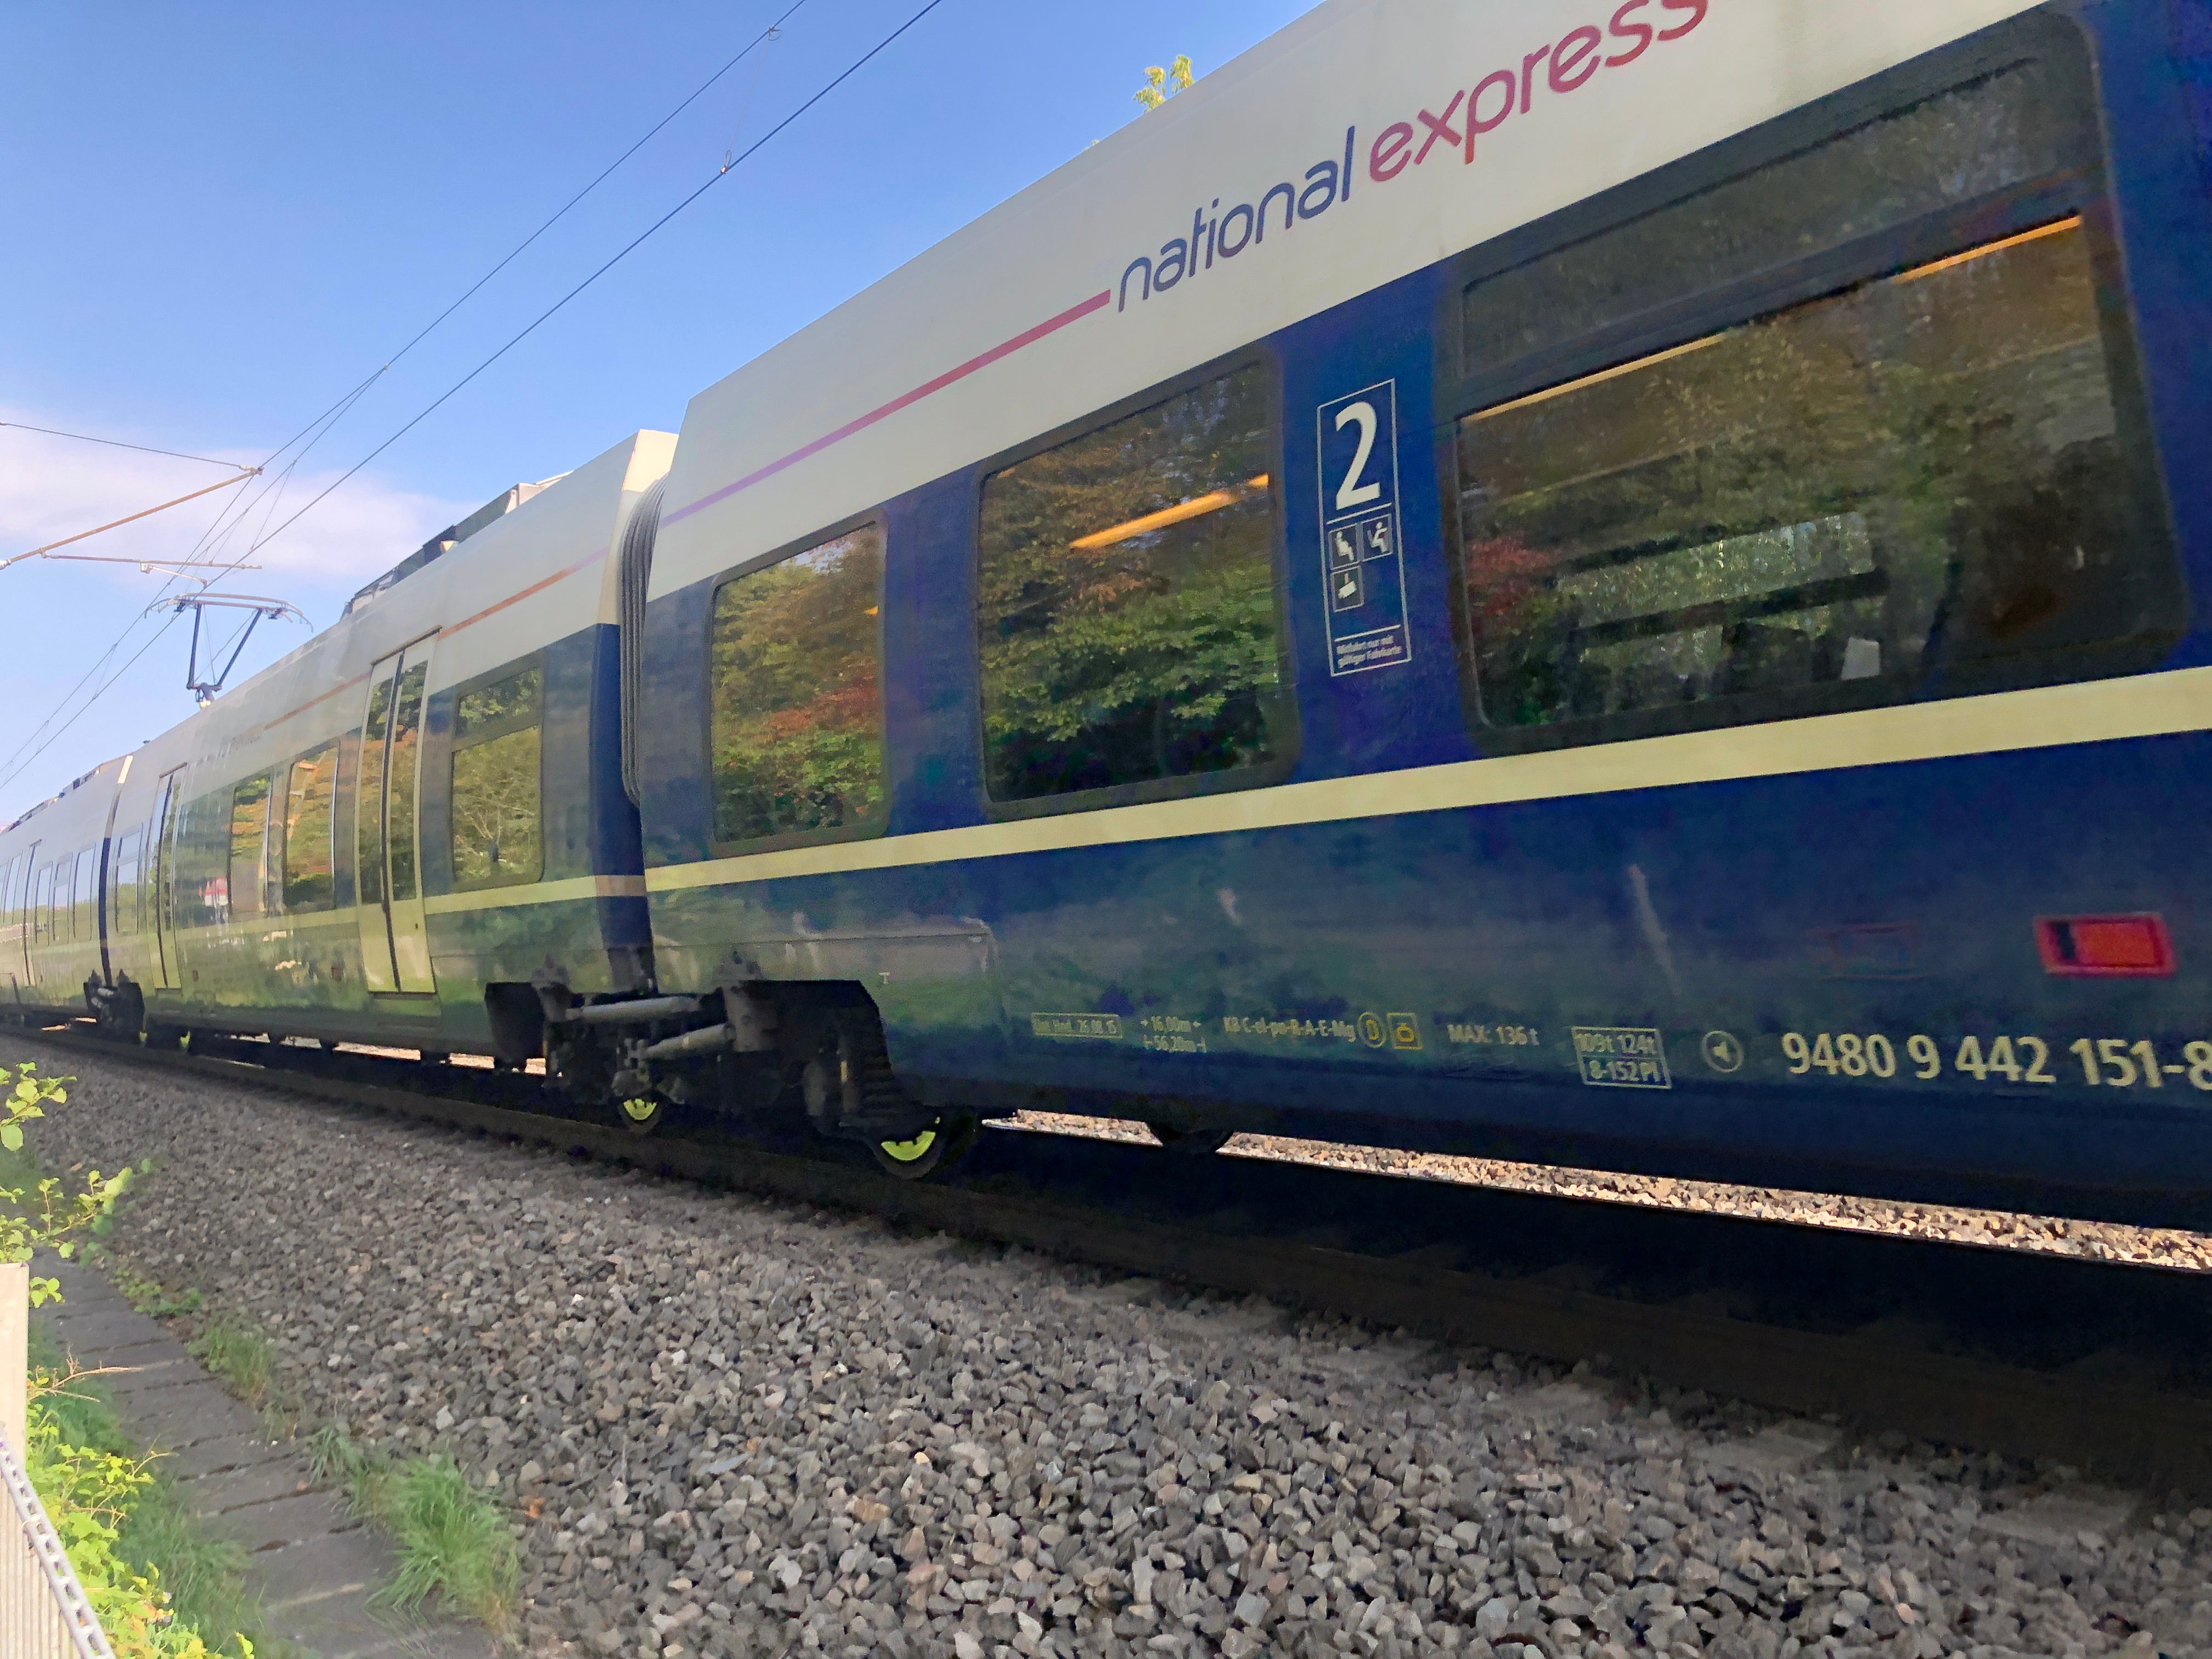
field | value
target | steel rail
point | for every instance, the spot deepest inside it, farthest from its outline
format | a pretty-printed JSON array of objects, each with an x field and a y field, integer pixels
[{"x": 2122, "y": 1430}]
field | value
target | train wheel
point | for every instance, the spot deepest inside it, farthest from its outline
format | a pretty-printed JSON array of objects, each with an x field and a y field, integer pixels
[
  {"x": 921, "y": 1156},
  {"x": 1197, "y": 1143},
  {"x": 640, "y": 1113}
]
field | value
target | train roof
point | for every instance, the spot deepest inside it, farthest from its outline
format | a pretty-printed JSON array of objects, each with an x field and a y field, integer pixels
[
  {"x": 1045, "y": 309},
  {"x": 450, "y": 537},
  {"x": 114, "y": 764}
]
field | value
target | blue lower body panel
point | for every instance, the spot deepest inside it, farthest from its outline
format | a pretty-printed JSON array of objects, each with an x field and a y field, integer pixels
[{"x": 1833, "y": 969}]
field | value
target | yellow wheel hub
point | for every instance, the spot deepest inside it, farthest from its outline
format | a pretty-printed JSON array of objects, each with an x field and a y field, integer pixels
[
  {"x": 639, "y": 1109},
  {"x": 907, "y": 1152}
]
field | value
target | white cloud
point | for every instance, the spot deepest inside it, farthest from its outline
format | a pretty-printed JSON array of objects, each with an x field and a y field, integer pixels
[{"x": 51, "y": 488}]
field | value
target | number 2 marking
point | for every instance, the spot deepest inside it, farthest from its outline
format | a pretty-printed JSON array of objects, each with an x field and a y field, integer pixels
[{"x": 1351, "y": 493}]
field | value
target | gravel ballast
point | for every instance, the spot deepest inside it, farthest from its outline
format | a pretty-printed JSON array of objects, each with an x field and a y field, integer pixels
[
  {"x": 2099, "y": 1241},
  {"x": 728, "y": 1426}
]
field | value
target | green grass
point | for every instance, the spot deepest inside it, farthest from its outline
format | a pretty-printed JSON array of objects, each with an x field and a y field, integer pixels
[
  {"x": 452, "y": 1535},
  {"x": 238, "y": 1356},
  {"x": 155, "y": 1535},
  {"x": 149, "y": 1296}
]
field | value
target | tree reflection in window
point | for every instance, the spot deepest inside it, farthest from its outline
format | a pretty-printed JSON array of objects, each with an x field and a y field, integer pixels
[
  {"x": 1129, "y": 628},
  {"x": 308, "y": 797},
  {"x": 401, "y": 827},
  {"x": 249, "y": 826},
  {"x": 1923, "y": 471},
  {"x": 498, "y": 838},
  {"x": 798, "y": 719}
]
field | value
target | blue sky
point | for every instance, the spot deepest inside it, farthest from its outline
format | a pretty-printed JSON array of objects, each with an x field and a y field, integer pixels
[{"x": 222, "y": 217}]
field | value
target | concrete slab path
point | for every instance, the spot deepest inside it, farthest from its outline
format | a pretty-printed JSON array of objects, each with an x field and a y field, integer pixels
[{"x": 313, "y": 1565}]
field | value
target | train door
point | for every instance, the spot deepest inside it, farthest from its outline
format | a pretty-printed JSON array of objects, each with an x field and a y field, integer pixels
[
  {"x": 11, "y": 923},
  {"x": 42, "y": 915},
  {"x": 28, "y": 915},
  {"x": 395, "y": 946},
  {"x": 108, "y": 913},
  {"x": 163, "y": 958}
]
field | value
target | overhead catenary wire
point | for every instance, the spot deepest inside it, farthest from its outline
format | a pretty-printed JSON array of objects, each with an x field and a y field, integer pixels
[
  {"x": 118, "y": 443},
  {"x": 273, "y": 492},
  {"x": 763, "y": 37},
  {"x": 225, "y": 521},
  {"x": 55, "y": 736},
  {"x": 117, "y": 524},
  {"x": 17, "y": 762},
  {"x": 629, "y": 247}
]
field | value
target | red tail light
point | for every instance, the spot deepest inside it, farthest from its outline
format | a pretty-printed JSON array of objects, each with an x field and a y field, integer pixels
[{"x": 2105, "y": 947}]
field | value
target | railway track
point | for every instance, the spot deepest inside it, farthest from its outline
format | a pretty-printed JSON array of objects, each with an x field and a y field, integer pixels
[{"x": 2101, "y": 1366}]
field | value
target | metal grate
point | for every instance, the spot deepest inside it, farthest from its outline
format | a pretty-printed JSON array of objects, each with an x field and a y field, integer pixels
[{"x": 43, "y": 1611}]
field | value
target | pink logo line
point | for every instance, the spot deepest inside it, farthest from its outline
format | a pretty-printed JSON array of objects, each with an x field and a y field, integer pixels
[{"x": 1027, "y": 337}]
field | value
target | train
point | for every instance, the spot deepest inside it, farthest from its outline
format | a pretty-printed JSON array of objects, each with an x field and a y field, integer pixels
[{"x": 1598, "y": 583}]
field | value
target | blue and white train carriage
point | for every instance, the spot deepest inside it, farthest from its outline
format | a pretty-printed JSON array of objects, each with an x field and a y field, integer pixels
[{"x": 1604, "y": 582}]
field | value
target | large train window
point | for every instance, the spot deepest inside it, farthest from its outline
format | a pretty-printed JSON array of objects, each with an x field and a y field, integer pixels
[
  {"x": 796, "y": 727},
  {"x": 84, "y": 918},
  {"x": 1924, "y": 479},
  {"x": 497, "y": 795},
  {"x": 249, "y": 832},
  {"x": 123, "y": 884},
  {"x": 1131, "y": 634},
  {"x": 67, "y": 897},
  {"x": 310, "y": 797}
]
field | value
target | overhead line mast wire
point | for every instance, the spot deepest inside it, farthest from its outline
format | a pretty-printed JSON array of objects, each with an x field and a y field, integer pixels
[
  {"x": 244, "y": 473},
  {"x": 116, "y": 443},
  {"x": 727, "y": 166},
  {"x": 765, "y": 35},
  {"x": 334, "y": 411},
  {"x": 276, "y": 486},
  {"x": 723, "y": 172},
  {"x": 274, "y": 490}
]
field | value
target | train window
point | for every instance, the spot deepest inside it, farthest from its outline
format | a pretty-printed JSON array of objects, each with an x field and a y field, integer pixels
[
  {"x": 1995, "y": 134},
  {"x": 84, "y": 910},
  {"x": 369, "y": 826},
  {"x": 42, "y": 906},
  {"x": 1916, "y": 469},
  {"x": 200, "y": 852},
  {"x": 1129, "y": 626},
  {"x": 310, "y": 795},
  {"x": 796, "y": 727},
  {"x": 496, "y": 792},
  {"x": 404, "y": 792},
  {"x": 1815, "y": 509},
  {"x": 123, "y": 909},
  {"x": 249, "y": 831}
]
